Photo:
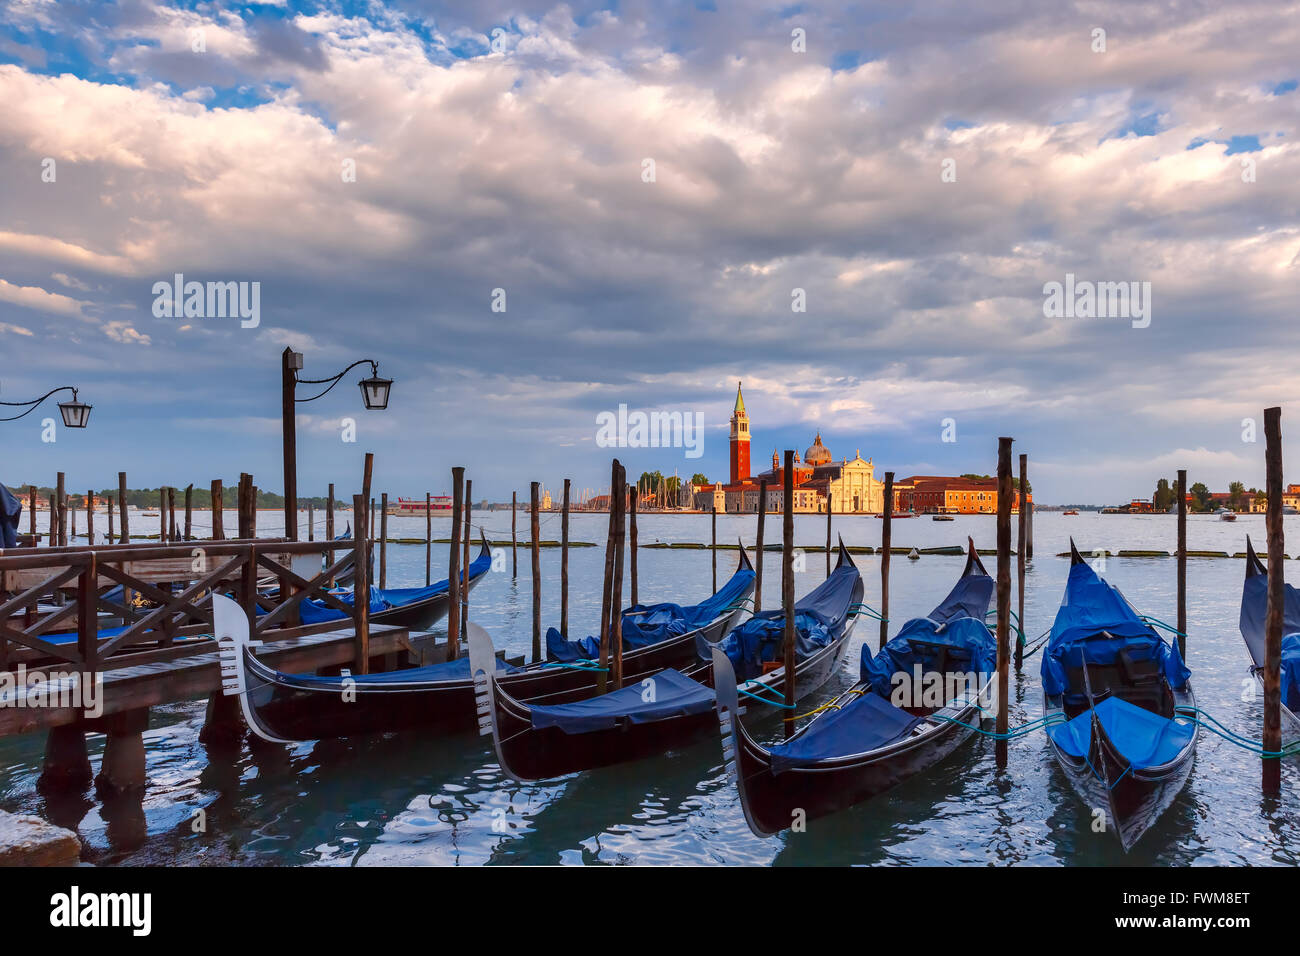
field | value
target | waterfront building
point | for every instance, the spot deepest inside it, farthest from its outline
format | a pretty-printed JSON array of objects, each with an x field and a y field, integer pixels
[{"x": 940, "y": 494}]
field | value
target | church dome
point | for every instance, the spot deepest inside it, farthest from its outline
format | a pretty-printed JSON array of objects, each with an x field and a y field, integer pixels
[{"x": 817, "y": 453}]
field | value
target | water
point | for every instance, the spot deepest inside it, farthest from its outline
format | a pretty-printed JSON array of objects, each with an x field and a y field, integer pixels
[{"x": 410, "y": 800}]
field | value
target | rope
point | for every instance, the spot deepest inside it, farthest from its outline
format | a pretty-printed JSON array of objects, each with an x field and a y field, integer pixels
[
  {"x": 1156, "y": 622},
  {"x": 1194, "y": 714},
  {"x": 861, "y": 608},
  {"x": 584, "y": 665},
  {"x": 764, "y": 700},
  {"x": 832, "y": 705}
]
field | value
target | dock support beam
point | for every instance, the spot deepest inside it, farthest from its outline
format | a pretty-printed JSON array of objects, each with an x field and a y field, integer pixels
[
  {"x": 223, "y": 724},
  {"x": 123, "y": 769},
  {"x": 66, "y": 767}
]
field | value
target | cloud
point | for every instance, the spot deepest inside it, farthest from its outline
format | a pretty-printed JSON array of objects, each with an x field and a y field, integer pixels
[
  {"x": 774, "y": 171},
  {"x": 34, "y": 297}
]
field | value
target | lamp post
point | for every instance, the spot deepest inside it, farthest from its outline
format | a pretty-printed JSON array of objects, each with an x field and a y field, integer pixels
[
  {"x": 75, "y": 413},
  {"x": 374, "y": 393}
]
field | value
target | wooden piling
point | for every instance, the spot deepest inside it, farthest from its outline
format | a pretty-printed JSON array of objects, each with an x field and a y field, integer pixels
[
  {"x": 886, "y": 534},
  {"x": 173, "y": 531},
  {"x": 564, "y": 562},
  {"x": 1272, "y": 737},
  {"x": 453, "y": 564},
  {"x": 713, "y": 547},
  {"x": 619, "y": 504},
  {"x": 829, "y": 509},
  {"x": 252, "y": 508},
  {"x": 1182, "y": 562},
  {"x": 606, "y": 587},
  {"x": 311, "y": 521},
  {"x": 535, "y": 547},
  {"x": 72, "y": 520},
  {"x": 109, "y": 499},
  {"x": 1029, "y": 535},
  {"x": 514, "y": 534},
  {"x": 1004, "y": 594},
  {"x": 632, "y": 598},
  {"x": 1022, "y": 526},
  {"x": 90, "y": 517},
  {"x": 758, "y": 557},
  {"x": 122, "y": 508},
  {"x": 787, "y": 584},
  {"x": 383, "y": 541},
  {"x": 31, "y": 515},
  {"x": 329, "y": 527},
  {"x": 218, "y": 511},
  {"x": 361, "y": 588},
  {"x": 464, "y": 558},
  {"x": 63, "y": 510},
  {"x": 162, "y": 514},
  {"x": 428, "y": 538},
  {"x": 189, "y": 512},
  {"x": 54, "y": 521}
]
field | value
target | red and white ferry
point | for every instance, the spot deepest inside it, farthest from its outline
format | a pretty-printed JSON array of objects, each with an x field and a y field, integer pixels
[{"x": 416, "y": 506}]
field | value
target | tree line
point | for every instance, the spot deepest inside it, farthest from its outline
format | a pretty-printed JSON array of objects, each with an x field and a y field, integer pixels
[
  {"x": 1239, "y": 496},
  {"x": 152, "y": 497}
]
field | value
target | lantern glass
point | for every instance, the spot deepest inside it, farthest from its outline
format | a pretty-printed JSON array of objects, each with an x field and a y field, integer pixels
[
  {"x": 374, "y": 392},
  {"x": 75, "y": 414}
]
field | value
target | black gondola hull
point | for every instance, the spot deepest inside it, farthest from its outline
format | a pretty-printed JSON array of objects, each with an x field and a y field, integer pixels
[{"x": 289, "y": 709}]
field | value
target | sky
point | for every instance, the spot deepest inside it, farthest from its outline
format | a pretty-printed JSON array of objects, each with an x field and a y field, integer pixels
[{"x": 654, "y": 189}]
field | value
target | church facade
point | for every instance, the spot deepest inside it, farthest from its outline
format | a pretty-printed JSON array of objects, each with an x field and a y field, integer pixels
[{"x": 849, "y": 485}]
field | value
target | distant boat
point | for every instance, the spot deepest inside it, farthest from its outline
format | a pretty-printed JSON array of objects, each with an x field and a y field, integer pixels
[
  {"x": 902, "y": 514},
  {"x": 1070, "y": 512},
  {"x": 1226, "y": 515},
  {"x": 942, "y": 518}
]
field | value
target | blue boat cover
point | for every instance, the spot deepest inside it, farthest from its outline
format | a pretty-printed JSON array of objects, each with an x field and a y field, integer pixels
[
  {"x": 11, "y": 510},
  {"x": 314, "y": 612},
  {"x": 674, "y": 695},
  {"x": 865, "y": 723},
  {"x": 646, "y": 624},
  {"x": 957, "y": 624},
  {"x": 447, "y": 670},
  {"x": 1254, "y": 611},
  {"x": 819, "y": 619},
  {"x": 1145, "y": 739},
  {"x": 1094, "y": 623}
]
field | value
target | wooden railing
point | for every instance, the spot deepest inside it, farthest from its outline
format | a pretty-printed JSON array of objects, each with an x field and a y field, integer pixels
[{"x": 74, "y": 582}]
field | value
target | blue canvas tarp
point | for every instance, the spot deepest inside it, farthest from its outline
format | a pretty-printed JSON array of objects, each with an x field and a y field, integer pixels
[
  {"x": 667, "y": 694},
  {"x": 644, "y": 625},
  {"x": 1145, "y": 739},
  {"x": 314, "y": 612},
  {"x": 820, "y": 617},
  {"x": 11, "y": 509},
  {"x": 955, "y": 629},
  {"x": 1094, "y": 623},
  {"x": 864, "y": 724},
  {"x": 447, "y": 670}
]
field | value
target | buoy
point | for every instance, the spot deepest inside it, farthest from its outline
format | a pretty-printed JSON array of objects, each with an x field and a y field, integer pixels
[{"x": 914, "y": 555}]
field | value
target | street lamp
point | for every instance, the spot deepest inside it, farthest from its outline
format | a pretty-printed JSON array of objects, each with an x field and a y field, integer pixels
[
  {"x": 374, "y": 393},
  {"x": 75, "y": 414}
]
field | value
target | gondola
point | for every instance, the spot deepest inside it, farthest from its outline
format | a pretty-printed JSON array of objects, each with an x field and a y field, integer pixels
[
  {"x": 881, "y": 731},
  {"x": 1115, "y": 694},
  {"x": 672, "y": 707},
  {"x": 1254, "y": 612},
  {"x": 284, "y": 707}
]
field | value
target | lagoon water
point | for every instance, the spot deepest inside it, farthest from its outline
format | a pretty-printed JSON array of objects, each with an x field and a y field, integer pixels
[{"x": 408, "y": 799}]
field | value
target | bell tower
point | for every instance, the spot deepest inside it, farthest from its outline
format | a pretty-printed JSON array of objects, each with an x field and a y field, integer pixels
[{"x": 739, "y": 440}]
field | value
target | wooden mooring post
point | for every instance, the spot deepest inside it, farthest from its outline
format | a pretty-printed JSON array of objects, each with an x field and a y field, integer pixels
[
  {"x": 1004, "y": 595},
  {"x": 1182, "y": 563},
  {"x": 758, "y": 546},
  {"x": 886, "y": 532},
  {"x": 173, "y": 532},
  {"x": 189, "y": 512},
  {"x": 62, "y": 498},
  {"x": 329, "y": 528},
  {"x": 616, "y": 603},
  {"x": 632, "y": 597},
  {"x": 311, "y": 521},
  {"x": 72, "y": 520},
  {"x": 428, "y": 538},
  {"x": 218, "y": 511},
  {"x": 787, "y": 584},
  {"x": 453, "y": 564},
  {"x": 31, "y": 515},
  {"x": 464, "y": 558},
  {"x": 564, "y": 562},
  {"x": 1272, "y": 736},
  {"x": 534, "y": 532},
  {"x": 109, "y": 499},
  {"x": 514, "y": 534},
  {"x": 361, "y": 592},
  {"x": 122, "y": 508},
  {"x": 90, "y": 517},
  {"x": 606, "y": 589},
  {"x": 829, "y": 509},
  {"x": 1022, "y": 525},
  {"x": 383, "y": 541},
  {"x": 713, "y": 546},
  {"x": 162, "y": 515}
]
